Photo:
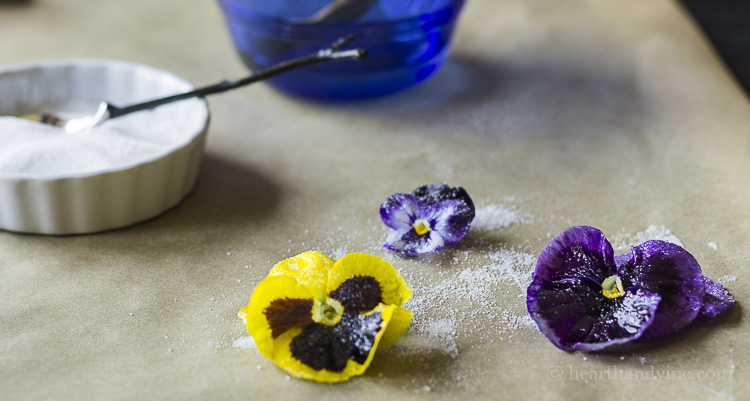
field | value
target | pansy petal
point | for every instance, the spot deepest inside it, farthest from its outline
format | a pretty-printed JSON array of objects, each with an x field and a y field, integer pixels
[
  {"x": 278, "y": 304},
  {"x": 408, "y": 242},
  {"x": 397, "y": 327},
  {"x": 574, "y": 315},
  {"x": 309, "y": 269},
  {"x": 333, "y": 353},
  {"x": 579, "y": 251},
  {"x": 358, "y": 294},
  {"x": 400, "y": 211},
  {"x": 672, "y": 272},
  {"x": 450, "y": 218},
  {"x": 716, "y": 300},
  {"x": 342, "y": 282},
  {"x": 622, "y": 259},
  {"x": 434, "y": 193}
]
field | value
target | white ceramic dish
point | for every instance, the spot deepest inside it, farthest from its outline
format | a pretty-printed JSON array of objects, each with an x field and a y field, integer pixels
[{"x": 87, "y": 202}]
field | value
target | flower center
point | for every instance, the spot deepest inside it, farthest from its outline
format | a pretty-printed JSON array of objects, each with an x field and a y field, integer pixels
[
  {"x": 422, "y": 226},
  {"x": 327, "y": 312},
  {"x": 612, "y": 287}
]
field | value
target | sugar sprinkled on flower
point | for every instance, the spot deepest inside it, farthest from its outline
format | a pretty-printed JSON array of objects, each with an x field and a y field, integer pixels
[
  {"x": 583, "y": 297},
  {"x": 426, "y": 220},
  {"x": 323, "y": 320}
]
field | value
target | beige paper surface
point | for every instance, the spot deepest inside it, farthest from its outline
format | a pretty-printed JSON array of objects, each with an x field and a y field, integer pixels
[{"x": 550, "y": 113}]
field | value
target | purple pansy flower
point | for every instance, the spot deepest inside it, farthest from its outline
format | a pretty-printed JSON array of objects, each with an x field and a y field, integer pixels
[
  {"x": 426, "y": 220},
  {"x": 583, "y": 297}
]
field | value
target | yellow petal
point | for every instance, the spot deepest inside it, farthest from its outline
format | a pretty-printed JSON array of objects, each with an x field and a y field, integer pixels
[
  {"x": 397, "y": 327},
  {"x": 283, "y": 356},
  {"x": 392, "y": 286},
  {"x": 310, "y": 269},
  {"x": 269, "y": 290}
]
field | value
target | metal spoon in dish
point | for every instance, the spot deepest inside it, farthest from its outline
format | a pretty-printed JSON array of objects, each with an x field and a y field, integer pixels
[{"x": 108, "y": 111}]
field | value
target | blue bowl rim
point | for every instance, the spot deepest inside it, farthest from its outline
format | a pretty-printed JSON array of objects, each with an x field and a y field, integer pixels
[{"x": 235, "y": 7}]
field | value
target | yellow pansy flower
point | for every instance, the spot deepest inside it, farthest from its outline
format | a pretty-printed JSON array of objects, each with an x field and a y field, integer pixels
[{"x": 323, "y": 320}]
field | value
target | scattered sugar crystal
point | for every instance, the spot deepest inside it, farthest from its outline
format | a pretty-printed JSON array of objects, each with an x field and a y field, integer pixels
[
  {"x": 494, "y": 217},
  {"x": 713, "y": 246},
  {"x": 245, "y": 343},
  {"x": 470, "y": 300},
  {"x": 339, "y": 253},
  {"x": 726, "y": 279},
  {"x": 512, "y": 266},
  {"x": 623, "y": 242}
]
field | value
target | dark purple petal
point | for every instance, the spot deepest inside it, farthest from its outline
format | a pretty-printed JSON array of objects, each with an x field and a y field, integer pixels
[
  {"x": 400, "y": 211},
  {"x": 716, "y": 300},
  {"x": 409, "y": 243},
  {"x": 574, "y": 315},
  {"x": 331, "y": 347},
  {"x": 669, "y": 270},
  {"x": 434, "y": 193},
  {"x": 451, "y": 218},
  {"x": 358, "y": 294},
  {"x": 579, "y": 251}
]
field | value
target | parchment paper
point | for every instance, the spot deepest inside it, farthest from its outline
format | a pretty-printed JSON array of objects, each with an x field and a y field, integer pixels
[{"x": 550, "y": 113}]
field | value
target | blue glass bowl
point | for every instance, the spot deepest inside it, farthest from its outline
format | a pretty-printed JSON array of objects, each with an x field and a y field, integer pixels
[{"x": 406, "y": 46}]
